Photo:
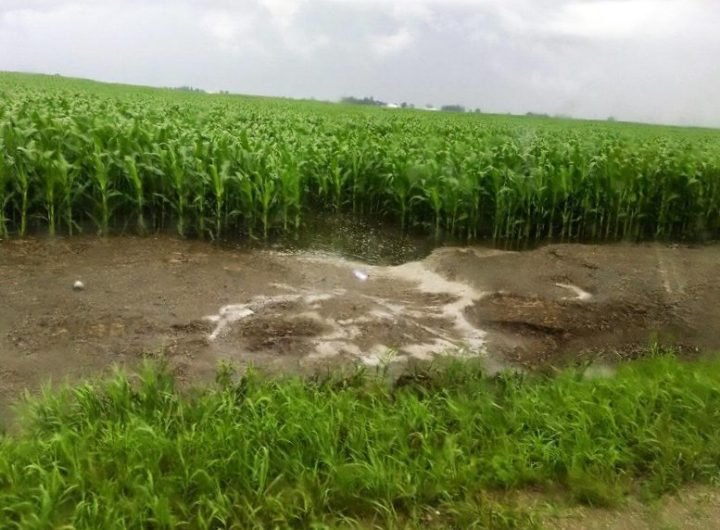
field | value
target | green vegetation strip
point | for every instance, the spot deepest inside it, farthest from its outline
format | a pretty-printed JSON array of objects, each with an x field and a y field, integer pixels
[
  {"x": 434, "y": 449},
  {"x": 80, "y": 155}
]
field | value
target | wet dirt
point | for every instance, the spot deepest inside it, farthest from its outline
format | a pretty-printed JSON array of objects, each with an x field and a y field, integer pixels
[{"x": 198, "y": 304}]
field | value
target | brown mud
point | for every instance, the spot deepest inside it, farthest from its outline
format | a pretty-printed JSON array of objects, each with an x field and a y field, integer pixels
[{"x": 199, "y": 304}]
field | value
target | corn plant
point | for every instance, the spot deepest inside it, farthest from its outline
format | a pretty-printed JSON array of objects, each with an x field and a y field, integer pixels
[
  {"x": 5, "y": 193},
  {"x": 101, "y": 188},
  {"x": 26, "y": 158},
  {"x": 137, "y": 196}
]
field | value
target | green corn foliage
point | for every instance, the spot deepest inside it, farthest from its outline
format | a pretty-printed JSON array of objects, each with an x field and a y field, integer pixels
[
  {"x": 4, "y": 192},
  {"x": 26, "y": 158},
  {"x": 137, "y": 195},
  {"x": 77, "y": 154},
  {"x": 101, "y": 185}
]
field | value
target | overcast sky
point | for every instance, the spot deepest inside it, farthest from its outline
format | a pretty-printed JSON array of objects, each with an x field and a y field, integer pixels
[{"x": 644, "y": 60}]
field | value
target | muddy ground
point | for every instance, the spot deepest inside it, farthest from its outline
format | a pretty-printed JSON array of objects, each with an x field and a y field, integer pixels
[{"x": 198, "y": 304}]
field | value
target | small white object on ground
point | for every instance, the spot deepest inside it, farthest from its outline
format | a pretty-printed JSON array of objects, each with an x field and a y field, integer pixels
[
  {"x": 78, "y": 285},
  {"x": 360, "y": 275}
]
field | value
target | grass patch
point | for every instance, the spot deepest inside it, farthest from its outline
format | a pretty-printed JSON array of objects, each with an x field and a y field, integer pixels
[{"x": 254, "y": 452}]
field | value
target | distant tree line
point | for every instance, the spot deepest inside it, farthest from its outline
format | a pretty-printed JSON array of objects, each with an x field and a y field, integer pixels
[
  {"x": 364, "y": 101},
  {"x": 537, "y": 115},
  {"x": 371, "y": 101},
  {"x": 452, "y": 108},
  {"x": 189, "y": 89}
]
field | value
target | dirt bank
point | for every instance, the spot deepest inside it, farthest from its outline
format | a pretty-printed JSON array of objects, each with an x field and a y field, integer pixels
[{"x": 200, "y": 304}]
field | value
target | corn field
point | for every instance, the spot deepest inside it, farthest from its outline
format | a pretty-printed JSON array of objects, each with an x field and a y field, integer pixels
[{"x": 82, "y": 156}]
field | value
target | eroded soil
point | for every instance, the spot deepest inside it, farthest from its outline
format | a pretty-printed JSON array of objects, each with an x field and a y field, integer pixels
[{"x": 198, "y": 304}]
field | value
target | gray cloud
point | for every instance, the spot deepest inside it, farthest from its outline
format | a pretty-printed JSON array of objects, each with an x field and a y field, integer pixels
[{"x": 645, "y": 60}]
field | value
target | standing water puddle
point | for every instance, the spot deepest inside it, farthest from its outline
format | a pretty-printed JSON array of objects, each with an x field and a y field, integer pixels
[{"x": 374, "y": 314}]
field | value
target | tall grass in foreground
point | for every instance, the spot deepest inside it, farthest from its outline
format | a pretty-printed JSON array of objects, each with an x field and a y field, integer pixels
[
  {"x": 430, "y": 451},
  {"x": 122, "y": 159}
]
